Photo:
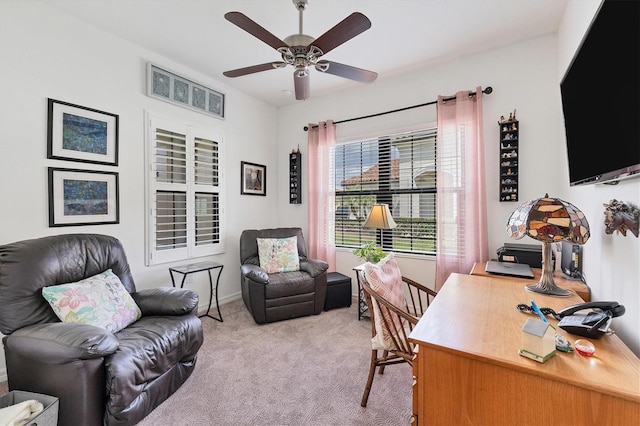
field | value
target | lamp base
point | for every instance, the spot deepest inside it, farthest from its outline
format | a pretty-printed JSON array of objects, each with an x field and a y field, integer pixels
[
  {"x": 546, "y": 284},
  {"x": 550, "y": 290}
]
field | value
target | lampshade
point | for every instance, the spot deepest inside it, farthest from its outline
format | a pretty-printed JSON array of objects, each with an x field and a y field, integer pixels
[
  {"x": 380, "y": 218},
  {"x": 548, "y": 220}
]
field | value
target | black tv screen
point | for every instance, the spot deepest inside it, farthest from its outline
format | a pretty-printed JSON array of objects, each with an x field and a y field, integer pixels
[{"x": 601, "y": 97}]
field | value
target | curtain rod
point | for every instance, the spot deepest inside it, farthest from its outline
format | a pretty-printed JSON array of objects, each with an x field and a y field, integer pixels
[{"x": 487, "y": 91}]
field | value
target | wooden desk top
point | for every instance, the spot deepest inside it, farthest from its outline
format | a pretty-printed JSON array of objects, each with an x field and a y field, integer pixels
[
  {"x": 476, "y": 317},
  {"x": 577, "y": 286}
]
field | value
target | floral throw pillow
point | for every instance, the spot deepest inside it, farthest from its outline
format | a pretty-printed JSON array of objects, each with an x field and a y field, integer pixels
[
  {"x": 386, "y": 279},
  {"x": 278, "y": 254},
  {"x": 100, "y": 300}
]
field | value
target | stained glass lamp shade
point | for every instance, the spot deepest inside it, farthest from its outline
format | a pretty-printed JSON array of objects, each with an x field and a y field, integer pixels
[{"x": 548, "y": 220}]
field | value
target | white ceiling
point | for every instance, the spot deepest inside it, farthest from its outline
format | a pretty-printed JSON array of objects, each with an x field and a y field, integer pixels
[{"x": 404, "y": 35}]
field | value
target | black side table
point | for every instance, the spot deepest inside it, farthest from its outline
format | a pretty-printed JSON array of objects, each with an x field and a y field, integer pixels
[
  {"x": 363, "y": 309},
  {"x": 199, "y": 267}
]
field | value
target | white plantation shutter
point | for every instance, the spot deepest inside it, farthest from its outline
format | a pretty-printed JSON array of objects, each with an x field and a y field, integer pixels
[
  {"x": 169, "y": 169},
  {"x": 183, "y": 191},
  {"x": 206, "y": 198}
]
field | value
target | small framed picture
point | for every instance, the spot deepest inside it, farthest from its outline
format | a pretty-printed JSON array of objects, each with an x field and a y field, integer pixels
[
  {"x": 253, "y": 178},
  {"x": 82, "y": 197},
  {"x": 82, "y": 134}
]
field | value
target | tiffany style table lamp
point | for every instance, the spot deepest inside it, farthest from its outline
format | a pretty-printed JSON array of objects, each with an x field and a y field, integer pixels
[{"x": 548, "y": 220}]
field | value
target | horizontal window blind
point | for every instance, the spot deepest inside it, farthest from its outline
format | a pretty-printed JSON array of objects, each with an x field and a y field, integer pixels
[
  {"x": 398, "y": 170},
  {"x": 451, "y": 163}
]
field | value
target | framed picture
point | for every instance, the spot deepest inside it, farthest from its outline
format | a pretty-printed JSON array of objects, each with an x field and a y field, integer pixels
[
  {"x": 82, "y": 197},
  {"x": 82, "y": 134},
  {"x": 170, "y": 87},
  {"x": 253, "y": 178}
]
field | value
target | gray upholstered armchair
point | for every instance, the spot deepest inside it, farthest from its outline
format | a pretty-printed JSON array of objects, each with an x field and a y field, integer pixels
[
  {"x": 279, "y": 296},
  {"x": 100, "y": 376}
]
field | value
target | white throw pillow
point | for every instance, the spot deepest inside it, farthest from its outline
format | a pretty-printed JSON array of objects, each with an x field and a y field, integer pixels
[
  {"x": 279, "y": 254},
  {"x": 100, "y": 300}
]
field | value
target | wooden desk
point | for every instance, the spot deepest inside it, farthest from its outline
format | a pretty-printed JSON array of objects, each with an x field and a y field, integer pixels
[
  {"x": 577, "y": 286},
  {"x": 468, "y": 370}
]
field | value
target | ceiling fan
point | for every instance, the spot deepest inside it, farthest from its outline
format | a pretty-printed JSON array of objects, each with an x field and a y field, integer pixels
[{"x": 302, "y": 51}]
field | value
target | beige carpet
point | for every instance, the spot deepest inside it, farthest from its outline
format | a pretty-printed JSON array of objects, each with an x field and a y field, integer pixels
[{"x": 305, "y": 371}]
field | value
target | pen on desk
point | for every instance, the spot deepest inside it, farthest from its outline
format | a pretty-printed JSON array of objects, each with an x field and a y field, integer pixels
[{"x": 538, "y": 311}]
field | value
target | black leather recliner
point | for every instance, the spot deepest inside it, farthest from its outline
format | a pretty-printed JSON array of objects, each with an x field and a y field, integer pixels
[
  {"x": 281, "y": 295},
  {"x": 99, "y": 377}
]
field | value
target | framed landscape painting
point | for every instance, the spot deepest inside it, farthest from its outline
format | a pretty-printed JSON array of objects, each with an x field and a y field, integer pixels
[
  {"x": 82, "y": 134},
  {"x": 82, "y": 197}
]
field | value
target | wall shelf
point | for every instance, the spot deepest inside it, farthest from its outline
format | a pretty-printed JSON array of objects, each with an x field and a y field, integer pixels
[
  {"x": 295, "y": 177},
  {"x": 509, "y": 153}
]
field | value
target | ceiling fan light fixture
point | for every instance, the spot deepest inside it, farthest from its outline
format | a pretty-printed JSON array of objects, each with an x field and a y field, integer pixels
[{"x": 301, "y": 51}]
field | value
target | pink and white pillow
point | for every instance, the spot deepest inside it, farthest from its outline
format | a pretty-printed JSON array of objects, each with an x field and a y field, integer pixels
[
  {"x": 386, "y": 279},
  {"x": 279, "y": 254}
]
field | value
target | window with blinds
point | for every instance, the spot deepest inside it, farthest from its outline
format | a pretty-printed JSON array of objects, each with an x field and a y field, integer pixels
[
  {"x": 398, "y": 170},
  {"x": 184, "y": 196}
]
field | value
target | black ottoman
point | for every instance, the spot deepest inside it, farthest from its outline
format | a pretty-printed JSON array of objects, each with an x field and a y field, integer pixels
[{"x": 338, "y": 291}]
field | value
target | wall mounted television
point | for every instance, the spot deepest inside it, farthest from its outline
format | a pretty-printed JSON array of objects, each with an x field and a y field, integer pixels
[{"x": 601, "y": 96}]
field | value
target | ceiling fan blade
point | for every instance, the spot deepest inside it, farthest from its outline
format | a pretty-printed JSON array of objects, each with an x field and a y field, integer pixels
[
  {"x": 301, "y": 84},
  {"x": 346, "y": 71},
  {"x": 343, "y": 31},
  {"x": 250, "y": 26},
  {"x": 253, "y": 69}
]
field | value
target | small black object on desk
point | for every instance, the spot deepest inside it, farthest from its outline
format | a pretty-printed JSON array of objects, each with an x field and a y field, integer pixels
[{"x": 199, "y": 267}]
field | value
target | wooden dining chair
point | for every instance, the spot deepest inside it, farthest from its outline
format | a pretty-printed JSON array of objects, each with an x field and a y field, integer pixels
[{"x": 391, "y": 323}]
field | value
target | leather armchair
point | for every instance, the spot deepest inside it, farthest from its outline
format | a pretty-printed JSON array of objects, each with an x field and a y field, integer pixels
[
  {"x": 99, "y": 377},
  {"x": 281, "y": 295}
]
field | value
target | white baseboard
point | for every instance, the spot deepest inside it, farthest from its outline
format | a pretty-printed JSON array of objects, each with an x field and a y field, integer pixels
[{"x": 202, "y": 307}]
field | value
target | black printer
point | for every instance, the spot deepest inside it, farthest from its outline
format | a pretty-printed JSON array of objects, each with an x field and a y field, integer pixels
[{"x": 531, "y": 254}]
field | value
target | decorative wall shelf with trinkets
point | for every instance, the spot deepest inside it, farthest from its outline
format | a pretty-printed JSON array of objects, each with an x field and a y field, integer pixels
[
  {"x": 509, "y": 143},
  {"x": 295, "y": 177}
]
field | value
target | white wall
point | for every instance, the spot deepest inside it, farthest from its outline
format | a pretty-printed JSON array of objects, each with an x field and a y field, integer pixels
[
  {"x": 525, "y": 77},
  {"x": 46, "y": 54}
]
